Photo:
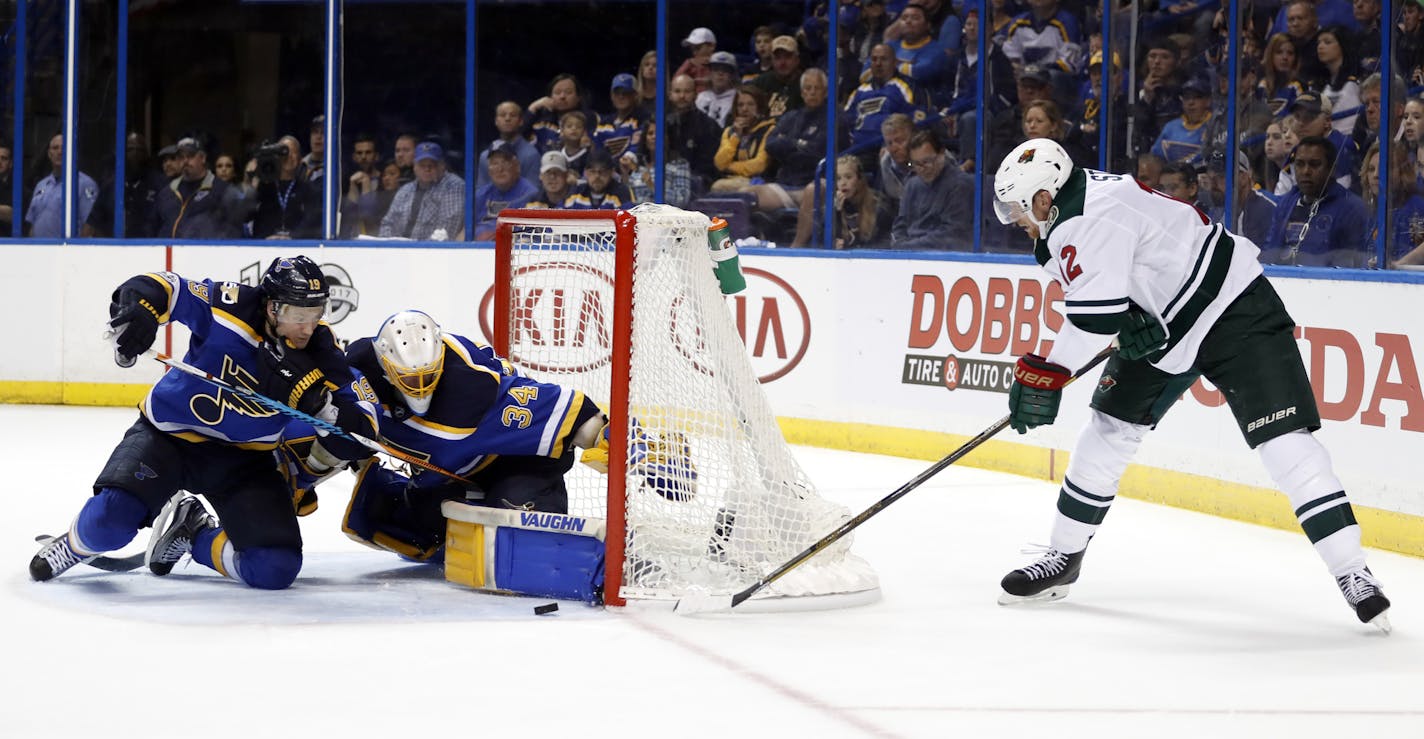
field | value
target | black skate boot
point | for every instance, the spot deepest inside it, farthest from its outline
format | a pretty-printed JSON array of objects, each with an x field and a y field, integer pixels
[
  {"x": 1362, "y": 591},
  {"x": 177, "y": 525},
  {"x": 55, "y": 557},
  {"x": 1043, "y": 581}
]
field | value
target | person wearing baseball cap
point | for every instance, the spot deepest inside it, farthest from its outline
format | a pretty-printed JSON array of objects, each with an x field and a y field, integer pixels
[
  {"x": 509, "y": 123},
  {"x": 554, "y": 179},
  {"x": 783, "y": 83},
  {"x": 432, "y": 207},
  {"x": 619, "y": 132},
  {"x": 716, "y": 101},
  {"x": 1184, "y": 138},
  {"x": 702, "y": 43}
]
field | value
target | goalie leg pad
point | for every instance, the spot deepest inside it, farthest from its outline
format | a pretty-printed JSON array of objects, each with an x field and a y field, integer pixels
[
  {"x": 108, "y": 521},
  {"x": 527, "y": 552},
  {"x": 385, "y": 514}
]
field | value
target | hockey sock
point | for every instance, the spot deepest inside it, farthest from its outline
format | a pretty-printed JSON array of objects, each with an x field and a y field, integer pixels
[
  {"x": 1301, "y": 468},
  {"x": 211, "y": 548},
  {"x": 1090, "y": 485},
  {"x": 107, "y": 522}
]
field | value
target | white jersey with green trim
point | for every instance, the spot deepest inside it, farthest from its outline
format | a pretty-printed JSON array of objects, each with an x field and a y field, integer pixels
[{"x": 1114, "y": 242}]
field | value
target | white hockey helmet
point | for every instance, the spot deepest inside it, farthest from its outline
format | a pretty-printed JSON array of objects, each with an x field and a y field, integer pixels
[
  {"x": 1036, "y": 164},
  {"x": 412, "y": 353}
]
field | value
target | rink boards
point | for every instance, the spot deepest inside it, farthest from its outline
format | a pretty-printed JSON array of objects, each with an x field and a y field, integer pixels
[{"x": 871, "y": 352}]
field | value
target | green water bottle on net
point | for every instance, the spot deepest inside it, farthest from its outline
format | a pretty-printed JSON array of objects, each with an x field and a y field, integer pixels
[{"x": 724, "y": 258}]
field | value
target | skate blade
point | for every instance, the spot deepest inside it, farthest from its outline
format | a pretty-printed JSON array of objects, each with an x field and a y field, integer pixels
[
  {"x": 1381, "y": 622},
  {"x": 1048, "y": 596}
]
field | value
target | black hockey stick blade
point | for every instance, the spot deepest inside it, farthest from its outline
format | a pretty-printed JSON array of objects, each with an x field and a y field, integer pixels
[
  {"x": 107, "y": 564},
  {"x": 705, "y": 603}
]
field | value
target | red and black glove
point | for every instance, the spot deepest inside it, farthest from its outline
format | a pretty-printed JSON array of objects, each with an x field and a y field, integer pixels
[{"x": 1036, "y": 392}]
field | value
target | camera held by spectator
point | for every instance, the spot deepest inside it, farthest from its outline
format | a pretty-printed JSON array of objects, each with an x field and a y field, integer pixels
[{"x": 270, "y": 157}]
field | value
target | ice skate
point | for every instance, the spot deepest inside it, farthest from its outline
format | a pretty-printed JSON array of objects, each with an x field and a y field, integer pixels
[
  {"x": 55, "y": 557},
  {"x": 1362, "y": 591},
  {"x": 177, "y": 525},
  {"x": 1043, "y": 581}
]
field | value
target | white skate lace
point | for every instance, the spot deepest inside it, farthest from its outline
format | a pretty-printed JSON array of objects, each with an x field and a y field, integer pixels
[
  {"x": 175, "y": 550},
  {"x": 60, "y": 556},
  {"x": 1357, "y": 586},
  {"x": 1051, "y": 563}
]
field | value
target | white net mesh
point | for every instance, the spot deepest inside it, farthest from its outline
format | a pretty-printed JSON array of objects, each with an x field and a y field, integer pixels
[{"x": 714, "y": 498}]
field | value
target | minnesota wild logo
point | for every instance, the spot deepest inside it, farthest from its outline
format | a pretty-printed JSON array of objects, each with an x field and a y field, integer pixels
[{"x": 1027, "y": 156}]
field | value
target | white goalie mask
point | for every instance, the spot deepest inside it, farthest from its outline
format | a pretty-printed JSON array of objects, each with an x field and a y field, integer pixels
[
  {"x": 412, "y": 353},
  {"x": 1036, "y": 164}
]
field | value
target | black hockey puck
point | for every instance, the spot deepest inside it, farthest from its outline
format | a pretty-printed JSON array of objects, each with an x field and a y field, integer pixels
[{"x": 546, "y": 608}]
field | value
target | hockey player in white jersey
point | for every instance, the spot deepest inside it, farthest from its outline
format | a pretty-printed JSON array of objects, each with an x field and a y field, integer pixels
[{"x": 1185, "y": 298}]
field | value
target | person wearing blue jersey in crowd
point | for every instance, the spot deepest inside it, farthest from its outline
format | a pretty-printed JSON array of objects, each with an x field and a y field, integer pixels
[
  {"x": 621, "y": 131},
  {"x": 599, "y": 189},
  {"x": 194, "y": 436},
  {"x": 1318, "y": 222},
  {"x": 457, "y": 403},
  {"x": 1184, "y": 139}
]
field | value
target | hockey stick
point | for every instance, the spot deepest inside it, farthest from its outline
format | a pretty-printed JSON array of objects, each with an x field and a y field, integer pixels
[
  {"x": 290, "y": 412},
  {"x": 107, "y": 564},
  {"x": 704, "y": 603}
]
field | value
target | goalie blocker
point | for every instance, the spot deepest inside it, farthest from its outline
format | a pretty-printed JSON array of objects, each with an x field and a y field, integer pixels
[{"x": 524, "y": 552}]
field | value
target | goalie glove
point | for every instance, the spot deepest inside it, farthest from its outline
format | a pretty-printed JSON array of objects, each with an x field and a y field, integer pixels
[
  {"x": 1140, "y": 336},
  {"x": 1036, "y": 392}
]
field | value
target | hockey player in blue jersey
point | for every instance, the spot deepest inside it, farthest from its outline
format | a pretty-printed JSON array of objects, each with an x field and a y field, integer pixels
[
  {"x": 467, "y": 410},
  {"x": 194, "y": 436}
]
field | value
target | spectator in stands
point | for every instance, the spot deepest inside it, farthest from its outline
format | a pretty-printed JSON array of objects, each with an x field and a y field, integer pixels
[
  {"x": 1312, "y": 118},
  {"x": 1337, "y": 82},
  {"x": 896, "y": 130},
  {"x": 1179, "y": 180},
  {"x": 621, "y": 132},
  {"x": 1045, "y": 35},
  {"x": 863, "y": 217},
  {"x": 637, "y": 171},
  {"x": 366, "y": 174},
  {"x": 1408, "y": 44},
  {"x": 509, "y": 123},
  {"x": 574, "y": 141},
  {"x": 507, "y": 189},
  {"x": 797, "y": 143},
  {"x": 864, "y": 26},
  {"x": 742, "y": 154},
  {"x": 432, "y": 207},
  {"x": 1318, "y": 222},
  {"x": 404, "y": 155},
  {"x": 1321, "y": 12},
  {"x": 919, "y": 58},
  {"x": 7, "y": 210},
  {"x": 288, "y": 207},
  {"x": 225, "y": 169},
  {"x": 700, "y": 43},
  {"x": 1185, "y": 139},
  {"x": 362, "y": 216},
  {"x": 1159, "y": 95},
  {"x": 1091, "y": 95},
  {"x": 1044, "y": 119},
  {"x": 313, "y": 165},
  {"x": 691, "y": 137},
  {"x": 721, "y": 93},
  {"x": 554, "y": 181},
  {"x": 1301, "y": 24},
  {"x": 1255, "y": 205},
  {"x": 648, "y": 81},
  {"x": 1149, "y": 170},
  {"x": 1367, "y": 126},
  {"x": 962, "y": 114},
  {"x": 45, "y": 214},
  {"x": 1368, "y": 18},
  {"x": 937, "y": 211},
  {"x": 882, "y": 94},
  {"x": 1404, "y": 244},
  {"x": 599, "y": 189},
  {"x": 782, "y": 84},
  {"x": 1276, "y": 154},
  {"x": 197, "y": 204},
  {"x": 170, "y": 164},
  {"x": 1005, "y": 130},
  {"x": 546, "y": 114},
  {"x": 140, "y": 192},
  {"x": 761, "y": 45},
  {"x": 1411, "y": 131}
]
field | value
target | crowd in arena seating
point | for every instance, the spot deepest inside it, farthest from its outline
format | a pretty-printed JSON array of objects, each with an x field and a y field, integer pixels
[{"x": 745, "y": 133}]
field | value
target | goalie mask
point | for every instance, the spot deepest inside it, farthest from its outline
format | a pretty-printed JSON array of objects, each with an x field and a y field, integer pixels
[
  {"x": 1036, "y": 164},
  {"x": 412, "y": 353}
]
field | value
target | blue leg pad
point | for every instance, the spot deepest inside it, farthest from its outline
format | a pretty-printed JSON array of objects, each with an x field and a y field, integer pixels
[
  {"x": 549, "y": 564},
  {"x": 110, "y": 520},
  {"x": 269, "y": 568}
]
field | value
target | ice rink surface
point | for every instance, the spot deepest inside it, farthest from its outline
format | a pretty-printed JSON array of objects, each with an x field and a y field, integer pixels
[{"x": 1183, "y": 625}]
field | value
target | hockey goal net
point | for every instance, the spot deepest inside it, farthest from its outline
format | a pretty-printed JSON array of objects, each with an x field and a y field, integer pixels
[{"x": 702, "y": 493}]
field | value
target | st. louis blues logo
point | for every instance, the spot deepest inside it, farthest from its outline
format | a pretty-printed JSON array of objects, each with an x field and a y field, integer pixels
[{"x": 145, "y": 472}]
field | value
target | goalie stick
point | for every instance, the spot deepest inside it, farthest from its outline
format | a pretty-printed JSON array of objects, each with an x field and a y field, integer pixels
[
  {"x": 708, "y": 603},
  {"x": 331, "y": 428},
  {"x": 107, "y": 564}
]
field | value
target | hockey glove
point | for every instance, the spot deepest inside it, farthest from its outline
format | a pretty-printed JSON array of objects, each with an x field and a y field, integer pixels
[
  {"x": 1037, "y": 389},
  {"x": 291, "y": 376},
  {"x": 134, "y": 323},
  {"x": 1140, "y": 335}
]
